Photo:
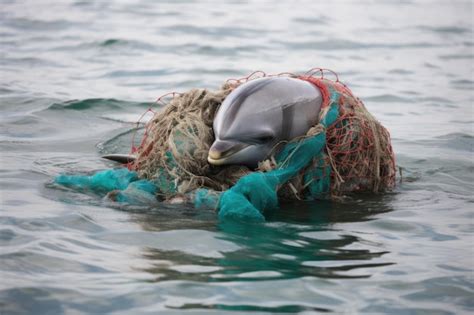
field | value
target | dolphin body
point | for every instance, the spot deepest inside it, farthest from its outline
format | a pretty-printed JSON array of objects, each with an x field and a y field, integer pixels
[{"x": 260, "y": 114}]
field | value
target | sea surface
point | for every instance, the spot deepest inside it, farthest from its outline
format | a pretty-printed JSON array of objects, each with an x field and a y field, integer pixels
[{"x": 75, "y": 77}]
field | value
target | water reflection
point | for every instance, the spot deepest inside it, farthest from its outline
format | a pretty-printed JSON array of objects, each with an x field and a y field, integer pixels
[{"x": 300, "y": 240}]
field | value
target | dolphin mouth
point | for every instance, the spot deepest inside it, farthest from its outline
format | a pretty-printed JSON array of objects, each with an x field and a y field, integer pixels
[
  {"x": 216, "y": 162},
  {"x": 216, "y": 157}
]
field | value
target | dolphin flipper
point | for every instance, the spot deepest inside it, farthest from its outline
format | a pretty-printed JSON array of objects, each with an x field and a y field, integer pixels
[{"x": 120, "y": 158}]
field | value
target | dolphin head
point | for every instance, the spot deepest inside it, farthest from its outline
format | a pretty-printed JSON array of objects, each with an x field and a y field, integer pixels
[
  {"x": 247, "y": 150},
  {"x": 258, "y": 115},
  {"x": 244, "y": 127}
]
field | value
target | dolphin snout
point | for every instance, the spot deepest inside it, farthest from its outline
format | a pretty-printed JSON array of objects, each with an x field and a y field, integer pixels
[{"x": 221, "y": 150}]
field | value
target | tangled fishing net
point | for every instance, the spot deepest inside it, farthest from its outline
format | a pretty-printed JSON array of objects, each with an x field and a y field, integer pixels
[
  {"x": 173, "y": 151},
  {"x": 347, "y": 151}
]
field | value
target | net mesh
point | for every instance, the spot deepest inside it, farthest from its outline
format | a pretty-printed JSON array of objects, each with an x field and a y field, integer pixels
[
  {"x": 357, "y": 154},
  {"x": 347, "y": 151},
  {"x": 358, "y": 148},
  {"x": 173, "y": 151}
]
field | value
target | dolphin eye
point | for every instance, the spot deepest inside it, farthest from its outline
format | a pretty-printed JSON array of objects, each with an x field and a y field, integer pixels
[{"x": 264, "y": 138}]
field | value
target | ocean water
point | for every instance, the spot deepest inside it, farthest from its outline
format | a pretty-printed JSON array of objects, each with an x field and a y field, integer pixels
[{"x": 76, "y": 75}]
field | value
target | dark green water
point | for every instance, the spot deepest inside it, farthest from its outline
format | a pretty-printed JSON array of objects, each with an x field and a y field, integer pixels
[{"x": 76, "y": 75}]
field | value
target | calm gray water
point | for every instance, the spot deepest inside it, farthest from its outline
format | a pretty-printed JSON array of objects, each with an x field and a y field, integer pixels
[{"x": 74, "y": 77}]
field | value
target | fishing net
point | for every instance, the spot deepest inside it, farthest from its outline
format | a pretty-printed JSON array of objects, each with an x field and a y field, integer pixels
[
  {"x": 347, "y": 151},
  {"x": 173, "y": 151}
]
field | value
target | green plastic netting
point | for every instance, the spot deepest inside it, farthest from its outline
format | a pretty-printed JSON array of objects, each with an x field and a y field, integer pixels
[{"x": 347, "y": 151}]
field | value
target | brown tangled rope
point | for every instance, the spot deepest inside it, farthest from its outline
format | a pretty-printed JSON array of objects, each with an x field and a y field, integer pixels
[{"x": 177, "y": 140}]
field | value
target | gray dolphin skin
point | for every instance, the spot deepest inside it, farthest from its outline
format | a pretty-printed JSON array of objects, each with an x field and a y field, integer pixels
[
  {"x": 258, "y": 115},
  {"x": 120, "y": 158}
]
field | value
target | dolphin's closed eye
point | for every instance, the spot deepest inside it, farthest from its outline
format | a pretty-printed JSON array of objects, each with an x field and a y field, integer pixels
[
  {"x": 260, "y": 139},
  {"x": 264, "y": 138}
]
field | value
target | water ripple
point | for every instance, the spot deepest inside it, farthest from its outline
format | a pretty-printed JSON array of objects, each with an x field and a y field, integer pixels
[{"x": 77, "y": 74}]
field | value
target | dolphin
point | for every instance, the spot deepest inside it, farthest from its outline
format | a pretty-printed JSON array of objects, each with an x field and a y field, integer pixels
[{"x": 258, "y": 115}]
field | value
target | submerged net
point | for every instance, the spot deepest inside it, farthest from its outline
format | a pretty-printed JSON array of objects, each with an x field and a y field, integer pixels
[{"x": 347, "y": 151}]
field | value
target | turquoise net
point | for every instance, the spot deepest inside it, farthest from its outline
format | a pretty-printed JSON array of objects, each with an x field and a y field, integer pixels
[
  {"x": 257, "y": 192},
  {"x": 248, "y": 200},
  {"x": 348, "y": 151}
]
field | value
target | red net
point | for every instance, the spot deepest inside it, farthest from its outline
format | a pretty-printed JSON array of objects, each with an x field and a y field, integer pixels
[
  {"x": 357, "y": 145},
  {"x": 177, "y": 139}
]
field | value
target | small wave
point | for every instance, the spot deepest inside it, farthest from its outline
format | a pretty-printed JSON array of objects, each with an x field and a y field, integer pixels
[
  {"x": 458, "y": 141},
  {"x": 464, "y": 81},
  {"x": 219, "y": 71},
  {"x": 315, "y": 20},
  {"x": 214, "y": 50},
  {"x": 401, "y": 71},
  {"x": 445, "y": 29},
  {"x": 467, "y": 122},
  {"x": 125, "y": 45},
  {"x": 94, "y": 103},
  {"x": 36, "y": 25},
  {"x": 434, "y": 99},
  {"x": 110, "y": 42},
  {"x": 116, "y": 42},
  {"x": 430, "y": 65},
  {"x": 463, "y": 84},
  {"x": 138, "y": 73},
  {"x": 31, "y": 62},
  {"x": 388, "y": 98},
  {"x": 342, "y": 44},
  {"x": 457, "y": 56},
  {"x": 219, "y": 31},
  {"x": 456, "y": 136}
]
